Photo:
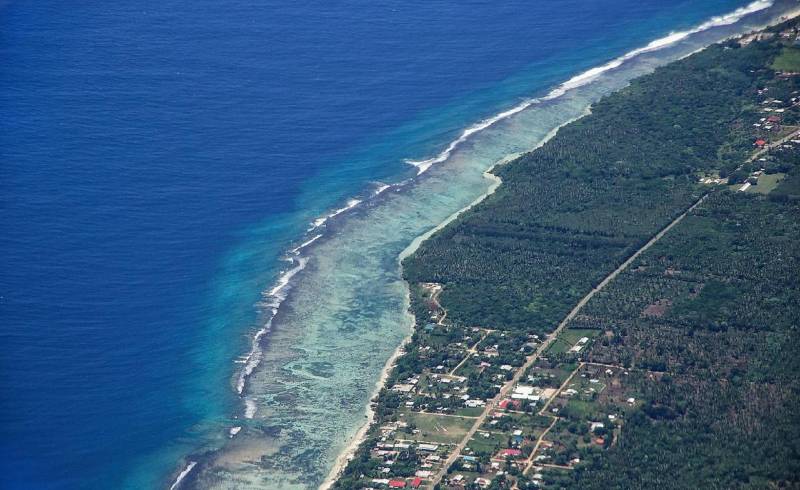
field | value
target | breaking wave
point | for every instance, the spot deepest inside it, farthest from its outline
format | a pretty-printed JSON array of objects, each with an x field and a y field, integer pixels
[
  {"x": 273, "y": 298},
  {"x": 589, "y": 76}
]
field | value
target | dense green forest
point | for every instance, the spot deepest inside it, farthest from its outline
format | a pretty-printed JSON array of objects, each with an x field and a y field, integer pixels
[
  {"x": 570, "y": 211},
  {"x": 726, "y": 415},
  {"x": 711, "y": 310}
]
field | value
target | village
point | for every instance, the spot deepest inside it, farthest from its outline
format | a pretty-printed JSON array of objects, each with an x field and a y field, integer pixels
[
  {"x": 775, "y": 123},
  {"x": 558, "y": 412},
  {"x": 485, "y": 408}
]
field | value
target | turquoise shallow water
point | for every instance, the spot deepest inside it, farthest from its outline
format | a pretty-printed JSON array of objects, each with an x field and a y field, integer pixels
[
  {"x": 346, "y": 310},
  {"x": 161, "y": 158}
]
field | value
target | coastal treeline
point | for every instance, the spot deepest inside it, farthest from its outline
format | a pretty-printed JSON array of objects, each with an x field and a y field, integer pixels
[
  {"x": 714, "y": 305},
  {"x": 572, "y": 210},
  {"x": 695, "y": 343}
]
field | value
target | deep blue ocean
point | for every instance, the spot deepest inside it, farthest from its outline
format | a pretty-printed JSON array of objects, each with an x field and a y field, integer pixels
[{"x": 156, "y": 158}]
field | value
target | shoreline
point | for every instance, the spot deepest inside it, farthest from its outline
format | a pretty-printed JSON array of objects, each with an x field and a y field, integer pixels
[
  {"x": 275, "y": 297},
  {"x": 350, "y": 450},
  {"x": 359, "y": 437},
  {"x": 352, "y": 447},
  {"x": 346, "y": 455}
]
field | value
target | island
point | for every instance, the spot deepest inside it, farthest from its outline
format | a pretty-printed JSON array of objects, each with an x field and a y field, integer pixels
[{"x": 623, "y": 311}]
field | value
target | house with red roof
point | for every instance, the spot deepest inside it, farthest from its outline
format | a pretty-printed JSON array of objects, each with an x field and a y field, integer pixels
[
  {"x": 397, "y": 484},
  {"x": 416, "y": 482},
  {"x": 508, "y": 404}
]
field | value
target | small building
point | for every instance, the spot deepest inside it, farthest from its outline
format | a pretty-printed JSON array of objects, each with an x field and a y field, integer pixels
[
  {"x": 397, "y": 484},
  {"x": 596, "y": 425},
  {"x": 760, "y": 143},
  {"x": 483, "y": 482},
  {"x": 416, "y": 482},
  {"x": 403, "y": 388},
  {"x": 509, "y": 404}
]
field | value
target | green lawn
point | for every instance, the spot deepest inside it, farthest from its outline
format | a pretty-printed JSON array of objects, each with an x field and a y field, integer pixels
[
  {"x": 580, "y": 409},
  {"x": 569, "y": 337},
  {"x": 487, "y": 445},
  {"x": 439, "y": 428},
  {"x": 469, "y": 411},
  {"x": 766, "y": 183},
  {"x": 788, "y": 60}
]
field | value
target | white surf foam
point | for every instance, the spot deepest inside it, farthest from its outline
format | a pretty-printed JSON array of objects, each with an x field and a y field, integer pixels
[
  {"x": 591, "y": 75},
  {"x": 183, "y": 474},
  {"x": 351, "y": 203},
  {"x": 306, "y": 243},
  {"x": 380, "y": 189},
  {"x": 424, "y": 165},
  {"x": 234, "y": 431},
  {"x": 284, "y": 279},
  {"x": 272, "y": 300},
  {"x": 250, "y": 408},
  {"x": 274, "y": 297}
]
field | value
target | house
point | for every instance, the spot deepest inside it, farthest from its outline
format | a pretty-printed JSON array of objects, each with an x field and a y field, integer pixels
[
  {"x": 513, "y": 404},
  {"x": 760, "y": 143},
  {"x": 522, "y": 392},
  {"x": 483, "y": 482},
  {"x": 397, "y": 484},
  {"x": 596, "y": 425},
  {"x": 510, "y": 452},
  {"x": 416, "y": 482}
]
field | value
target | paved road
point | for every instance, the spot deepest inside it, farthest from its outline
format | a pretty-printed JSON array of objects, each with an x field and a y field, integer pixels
[{"x": 492, "y": 405}]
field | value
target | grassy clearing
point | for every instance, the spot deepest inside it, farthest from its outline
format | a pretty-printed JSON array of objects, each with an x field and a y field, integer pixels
[
  {"x": 569, "y": 337},
  {"x": 469, "y": 411},
  {"x": 439, "y": 428},
  {"x": 580, "y": 410},
  {"x": 467, "y": 368},
  {"x": 788, "y": 60},
  {"x": 766, "y": 183},
  {"x": 481, "y": 445}
]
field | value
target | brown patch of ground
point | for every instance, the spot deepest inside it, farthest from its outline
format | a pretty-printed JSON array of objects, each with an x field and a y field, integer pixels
[{"x": 657, "y": 309}]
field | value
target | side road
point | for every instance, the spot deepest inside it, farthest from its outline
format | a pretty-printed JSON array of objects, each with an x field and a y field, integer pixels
[{"x": 506, "y": 389}]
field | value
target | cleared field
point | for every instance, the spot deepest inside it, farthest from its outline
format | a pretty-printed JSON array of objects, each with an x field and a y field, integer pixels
[
  {"x": 469, "y": 411},
  {"x": 766, "y": 183},
  {"x": 788, "y": 60},
  {"x": 569, "y": 337},
  {"x": 439, "y": 428},
  {"x": 481, "y": 445}
]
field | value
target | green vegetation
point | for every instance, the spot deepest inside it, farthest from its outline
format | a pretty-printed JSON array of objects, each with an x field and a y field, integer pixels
[
  {"x": 728, "y": 412},
  {"x": 688, "y": 377},
  {"x": 569, "y": 338},
  {"x": 767, "y": 183},
  {"x": 788, "y": 60},
  {"x": 439, "y": 428},
  {"x": 574, "y": 209}
]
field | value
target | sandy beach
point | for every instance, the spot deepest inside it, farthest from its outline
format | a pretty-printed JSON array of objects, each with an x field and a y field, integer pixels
[{"x": 360, "y": 436}]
